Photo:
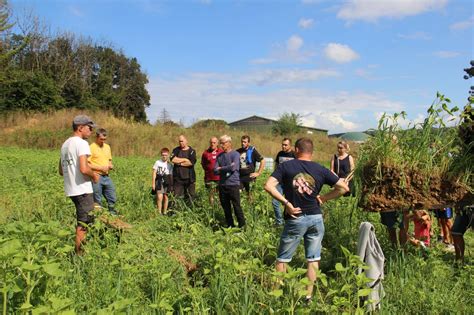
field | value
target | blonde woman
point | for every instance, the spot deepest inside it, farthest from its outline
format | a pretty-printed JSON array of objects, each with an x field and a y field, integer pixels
[{"x": 342, "y": 163}]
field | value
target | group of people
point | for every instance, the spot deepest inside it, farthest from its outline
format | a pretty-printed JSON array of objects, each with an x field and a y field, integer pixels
[{"x": 295, "y": 184}]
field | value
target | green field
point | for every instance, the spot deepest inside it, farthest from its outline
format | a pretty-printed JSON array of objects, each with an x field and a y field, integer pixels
[{"x": 150, "y": 269}]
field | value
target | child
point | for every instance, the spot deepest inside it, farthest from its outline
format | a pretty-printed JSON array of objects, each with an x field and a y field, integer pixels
[
  {"x": 422, "y": 222},
  {"x": 161, "y": 180}
]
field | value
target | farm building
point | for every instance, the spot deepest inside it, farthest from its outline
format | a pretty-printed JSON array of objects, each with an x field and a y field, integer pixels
[{"x": 262, "y": 124}]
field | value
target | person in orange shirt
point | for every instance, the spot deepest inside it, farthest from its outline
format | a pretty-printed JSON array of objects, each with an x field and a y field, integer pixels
[{"x": 100, "y": 161}]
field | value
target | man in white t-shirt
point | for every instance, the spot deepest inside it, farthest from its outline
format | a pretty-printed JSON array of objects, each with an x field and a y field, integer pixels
[{"x": 78, "y": 175}]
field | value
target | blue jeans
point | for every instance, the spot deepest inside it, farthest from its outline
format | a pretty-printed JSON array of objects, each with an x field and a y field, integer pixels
[
  {"x": 309, "y": 227},
  {"x": 105, "y": 187},
  {"x": 276, "y": 207}
]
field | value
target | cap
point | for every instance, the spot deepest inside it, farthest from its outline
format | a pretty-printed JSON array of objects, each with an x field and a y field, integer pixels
[{"x": 83, "y": 120}]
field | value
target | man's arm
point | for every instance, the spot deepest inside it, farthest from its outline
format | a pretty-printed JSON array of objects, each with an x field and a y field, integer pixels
[
  {"x": 98, "y": 168},
  {"x": 339, "y": 189},
  {"x": 260, "y": 167},
  {"x": 153, "y": 179},
  {"x": 60, "y": 168},
  {"x": 86, "y": 170},
  {"x": 270, "y": 187}
]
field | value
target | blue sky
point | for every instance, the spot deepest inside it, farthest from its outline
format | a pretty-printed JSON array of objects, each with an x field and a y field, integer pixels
[{"x": 339, "y": 64}]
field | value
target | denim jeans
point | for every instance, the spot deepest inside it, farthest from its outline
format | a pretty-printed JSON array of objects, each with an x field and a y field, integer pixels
[
  {"x": 309, "y": 227},
  {"x": 276, "y": 207},
  {"x": 105, "y": 187}
]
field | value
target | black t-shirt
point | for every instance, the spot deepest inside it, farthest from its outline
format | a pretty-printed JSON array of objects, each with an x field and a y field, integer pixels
[
  {"x": 284, "y": 156},
  {"x": 184, "y": 172},
  {"x": 302, "y": 181},
  {"x": 247, "y": 168}
]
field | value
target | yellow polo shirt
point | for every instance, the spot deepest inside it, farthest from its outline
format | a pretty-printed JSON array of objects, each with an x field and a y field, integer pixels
[{"x": 100, "y": 156}]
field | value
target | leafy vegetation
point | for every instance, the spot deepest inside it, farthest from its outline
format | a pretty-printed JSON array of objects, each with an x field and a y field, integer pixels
[
  {"x": 44, "y": 72},
  {"x": 187, "y": 263},
  {"x": 287, "y": 124},
  {"x": 422, "y": 165}
]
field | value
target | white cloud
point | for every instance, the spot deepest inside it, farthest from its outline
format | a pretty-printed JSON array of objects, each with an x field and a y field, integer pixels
[
  {"x": 372, "y": 10},
  {"x": 415, "y": 36},
  {"x": 235, "y": 96},
  {"x": 446, "y": 54},
  {"x": 289, "y": 52},
  {"x": 305, "y": 23},
  {"x": 76, "y": 11},
  {"x": 267, "y": 77},
  {"x": 462, "y": 25},
  {"x": 340, "y": 53},
  {"x": 263, "y": 61},
  {"x": 294, "y": 43}
]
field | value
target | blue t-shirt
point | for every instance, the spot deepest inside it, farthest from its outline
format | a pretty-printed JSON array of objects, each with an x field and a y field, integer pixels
[{"x": 302, "y": 181}]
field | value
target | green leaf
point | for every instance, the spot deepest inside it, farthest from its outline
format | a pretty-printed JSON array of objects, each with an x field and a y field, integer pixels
[
  {"x": 164, "y": 304},
  {"x": 60, "y": 304},
  {"x": 30, "y": 267},
  {"x": 53, "y": 269},
  {"x": 324, "y": 281},
  {"x": 10, "y": 247},
  {"x": 364, "y": 292},
  {"x": 43, "y": 309},
  {"x": 165, "y": 276},
  {"x": 276, "y": 293},
  {"x": 25, "y": 306},
  {"x": 340, "y": 268}
]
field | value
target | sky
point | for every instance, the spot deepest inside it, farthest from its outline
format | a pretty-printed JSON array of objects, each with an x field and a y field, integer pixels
[{"x": 339, "y": 64}]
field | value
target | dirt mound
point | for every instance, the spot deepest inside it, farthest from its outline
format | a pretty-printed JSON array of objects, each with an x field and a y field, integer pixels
[
  {"x": 115, "y": 222},
  {"x": 394, "y": 189},
  {"x": 182, "y": 260}
]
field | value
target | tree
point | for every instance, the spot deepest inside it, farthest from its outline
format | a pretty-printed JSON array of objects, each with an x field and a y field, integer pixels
[{"x": 287, "y": 124}]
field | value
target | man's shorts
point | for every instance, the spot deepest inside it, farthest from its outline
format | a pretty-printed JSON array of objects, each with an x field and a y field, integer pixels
[
  {"x": 211, "y": 184},
  {"x": 392, "y": 219},
  {"x": 464, "y": 220},
  {"x": 309, "y": 227},
  {"x": 84, "y": 204},
  {"x": 443, "y": 214}
]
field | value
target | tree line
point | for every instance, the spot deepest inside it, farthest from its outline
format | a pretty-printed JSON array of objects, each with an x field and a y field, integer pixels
[{"x": 43, "y": 72}]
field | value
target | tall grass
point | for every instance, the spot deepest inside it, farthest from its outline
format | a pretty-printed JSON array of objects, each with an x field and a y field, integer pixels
[
  {"x": 128, "y": 138},
  {"x": 143, "y": 271}
]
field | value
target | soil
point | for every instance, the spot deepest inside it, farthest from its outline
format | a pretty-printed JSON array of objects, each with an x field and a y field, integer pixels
[
  {"x": 182, "y": 260},
  {"x": 398, "y": 189}
]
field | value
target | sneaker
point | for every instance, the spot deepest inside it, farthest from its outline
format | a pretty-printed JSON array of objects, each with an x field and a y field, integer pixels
[
  {"x": 308, "y": 301},
  {"x": 450, "y": 248}
]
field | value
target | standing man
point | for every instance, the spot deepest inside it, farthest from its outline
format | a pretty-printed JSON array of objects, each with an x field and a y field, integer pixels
[
  {"x": 286, "y": 154},
  {"x": 302, "y": 181},
  {"x": 184, "y": 177},
  {"x": 249, "y": 157},
  {"x": 77, "y": 175},
  {"x": 227, "y": 166},
  {"x": 100, "y": 161},
  {"x": 208, "y": 160}
]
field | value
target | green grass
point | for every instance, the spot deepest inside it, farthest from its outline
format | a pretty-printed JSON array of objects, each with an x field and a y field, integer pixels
[{"x": 138, "y": 272}]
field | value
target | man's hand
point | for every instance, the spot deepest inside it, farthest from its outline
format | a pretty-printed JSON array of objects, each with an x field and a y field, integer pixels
[
  {"x": 292, "y": 211},
  {"x": 320, "y": 199},
  {"x": 95, "y": 177},
  {"x": 254, "y": 175}
]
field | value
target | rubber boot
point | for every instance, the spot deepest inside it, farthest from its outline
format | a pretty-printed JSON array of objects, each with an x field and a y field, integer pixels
[{"x": 80, "y": 239}]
